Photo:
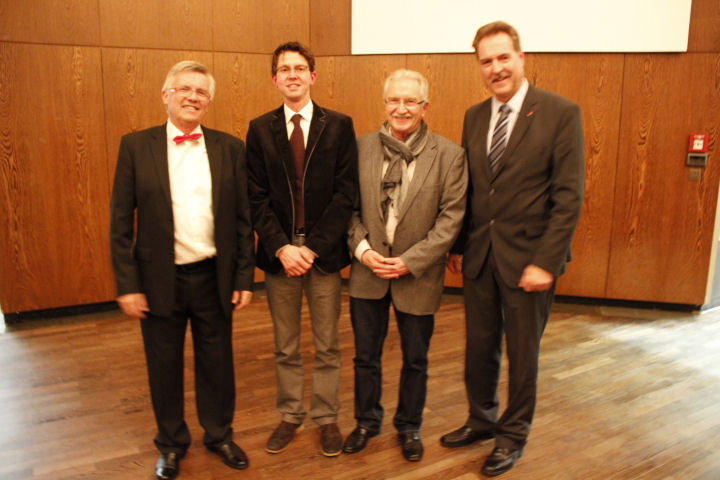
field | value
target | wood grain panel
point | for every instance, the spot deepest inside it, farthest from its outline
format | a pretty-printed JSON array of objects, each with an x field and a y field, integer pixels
[
  {"x": 594, "y": 82},
  {"x": 353, "y": 85},
  {"x": 133, "y": 79},
  {"x": 330, "y": 27},
  {"x": 663, "y": 221},
  {"x": 173, "y": 24},
  {"x": 53, "y": 188},
  {"x": 704, "y": 33},
  {"x": 259, "y": 26},
  {"x": 455, "y": 84},
  {"x": 50, "y": 21},
  {"x": 244, "y": 91}
]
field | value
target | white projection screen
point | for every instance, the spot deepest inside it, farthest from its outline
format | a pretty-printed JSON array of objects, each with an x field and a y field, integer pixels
[{"x": 448, "y": 26}]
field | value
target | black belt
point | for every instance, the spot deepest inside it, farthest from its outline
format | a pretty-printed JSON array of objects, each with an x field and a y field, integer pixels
[
  {"x": 202, "y": 266},
  {"x": 300, "y": 231}
]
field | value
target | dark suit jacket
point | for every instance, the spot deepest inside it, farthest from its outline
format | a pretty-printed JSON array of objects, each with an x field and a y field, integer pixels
[
  {"x": 330, "y": 186},
  {"x": 529, "y": 208},
  {"x": 142, "y": 186},
  {"x": 429, "y": 221}
]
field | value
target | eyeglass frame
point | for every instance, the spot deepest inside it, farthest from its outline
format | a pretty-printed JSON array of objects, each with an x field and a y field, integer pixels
[
  {"x": 186, "y": 91},
  {"x": 406, "y": 102}
]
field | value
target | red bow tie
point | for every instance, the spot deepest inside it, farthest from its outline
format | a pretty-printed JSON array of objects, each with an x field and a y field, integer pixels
[{"x": 181, "y": 138}]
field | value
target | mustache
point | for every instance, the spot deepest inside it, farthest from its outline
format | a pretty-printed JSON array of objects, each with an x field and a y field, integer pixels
[
  {"x": 500, "y": 76},
  {"x": 401, "y": 115}
]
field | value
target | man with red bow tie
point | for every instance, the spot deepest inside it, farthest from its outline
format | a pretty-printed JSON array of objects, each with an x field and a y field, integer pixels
[{"x": 182, "y": 248}]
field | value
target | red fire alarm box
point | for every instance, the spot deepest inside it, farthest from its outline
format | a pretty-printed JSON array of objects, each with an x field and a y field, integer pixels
[
  {"x": 697, "y": 150},
  {"x": 698, "y": 143}
]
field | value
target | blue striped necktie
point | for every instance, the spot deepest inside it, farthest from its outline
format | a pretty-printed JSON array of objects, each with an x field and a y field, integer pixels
[{"x": 497, "y": 145}]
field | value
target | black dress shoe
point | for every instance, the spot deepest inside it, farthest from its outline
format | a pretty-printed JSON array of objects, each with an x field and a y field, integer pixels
[
  {"x": 232, "y": 455},
  {"x": 357, "y": 439},
  {"x": 168, "y": 466},
  {"x": 464, "y": 436},
  {"x": 500, "y": 461},
  {"x": 412, "y": 447}
]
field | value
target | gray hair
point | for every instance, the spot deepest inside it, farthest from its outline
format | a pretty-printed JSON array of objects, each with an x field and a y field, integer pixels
[
  {"x": 189, "y": 66},
  {"x": 409, "y": 74}
]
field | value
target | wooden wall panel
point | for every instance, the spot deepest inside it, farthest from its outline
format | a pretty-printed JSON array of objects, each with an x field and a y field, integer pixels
[
  {"x": 704, "y": 33},
  {"x": 133, "y": 79},
  {"x": 663, "y": 221},
  {"x": 353, "y": 85},
  {"x": 171, "y": 24},
  {"x": 70, "y": 22},
  {"x": 330, "y": 27},
  {"x": 594, "y": 82},
  {"x": 454, "y": 85},
  {"x": 244, "y": 90},
  {"x": 258, "y": 26},
  {"x": 54, "y": 178}
]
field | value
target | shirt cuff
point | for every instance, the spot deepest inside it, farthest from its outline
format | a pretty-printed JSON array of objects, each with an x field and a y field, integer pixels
[{"x": 362, "y": 247}]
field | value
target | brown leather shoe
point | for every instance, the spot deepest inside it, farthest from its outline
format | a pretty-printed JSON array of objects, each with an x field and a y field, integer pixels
[
  {"x": 330, "y": 439},
  {"x": 281, "y": 437}
]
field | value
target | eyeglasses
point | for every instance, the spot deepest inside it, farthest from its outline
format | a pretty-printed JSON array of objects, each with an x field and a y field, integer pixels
[
  {"x": 187, "y": 91},
  {"x": 408, "y": 102},
  {"x": 285, "y": 69}
]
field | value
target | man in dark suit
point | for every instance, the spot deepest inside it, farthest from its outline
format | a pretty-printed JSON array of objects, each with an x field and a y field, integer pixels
[
  {"x": 302, "y": 163},
  {"x": 525, "y": 151},
  {"x": 412, "y": 202},
  {"x": 190, "y": 256}
]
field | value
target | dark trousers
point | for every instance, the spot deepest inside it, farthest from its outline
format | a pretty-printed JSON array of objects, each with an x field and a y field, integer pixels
[
  {"x": 370, "y": 325},
  {"x": 197, "y": 299},
  {"x": 494, "y": 309}
]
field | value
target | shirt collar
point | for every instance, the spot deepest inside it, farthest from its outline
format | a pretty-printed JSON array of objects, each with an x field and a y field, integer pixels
[
  {"x": 306, "y": 112},
  {"x": 516, "y": 102}
]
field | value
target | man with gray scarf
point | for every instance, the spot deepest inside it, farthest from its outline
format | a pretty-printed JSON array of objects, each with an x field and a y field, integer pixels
[{"x": 411, "y": 207}]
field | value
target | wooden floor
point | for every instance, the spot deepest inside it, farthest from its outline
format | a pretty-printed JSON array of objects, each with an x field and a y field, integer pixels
[{"x": 624, "y": 394}]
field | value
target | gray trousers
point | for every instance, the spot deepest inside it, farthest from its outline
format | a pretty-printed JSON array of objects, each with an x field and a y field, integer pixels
[{"x": 285, "y": 301}]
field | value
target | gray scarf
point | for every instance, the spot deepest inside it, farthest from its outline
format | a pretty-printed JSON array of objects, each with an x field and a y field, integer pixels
[{"x": 399, "y": 154}]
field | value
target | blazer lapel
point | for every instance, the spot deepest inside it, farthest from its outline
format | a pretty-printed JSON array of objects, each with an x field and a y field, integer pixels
[
  {"x": 279, "y": 134},
  {"x": 423, "y": 164},
  {"x": 317, "y": 125},
  {"x": 158, "y": 149},
  {"x": 376, "y": 157},
  {"x": 483, "y": 127},
  {"x": 214, "y": 153}
]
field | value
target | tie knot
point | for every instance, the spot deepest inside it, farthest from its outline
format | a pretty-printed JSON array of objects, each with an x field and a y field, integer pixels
[
  {"x": 296, "y": 119},
  {"x": 504, "y": 109}
]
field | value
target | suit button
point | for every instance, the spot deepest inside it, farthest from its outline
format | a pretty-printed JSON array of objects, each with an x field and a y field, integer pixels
[
  {"x": 492, "y": 192},
  {"x": 385, "y": 244},
  {"x": 492, "y": 222}
]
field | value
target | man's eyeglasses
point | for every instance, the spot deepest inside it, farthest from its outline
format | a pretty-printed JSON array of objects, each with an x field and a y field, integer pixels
[
  {"x": 285, "y": 69},
  {"x": 408, "y": 102},
  {"x": 187, "y": 91}
]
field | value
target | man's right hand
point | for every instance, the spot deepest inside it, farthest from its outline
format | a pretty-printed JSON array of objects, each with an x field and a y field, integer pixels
[
  {"x": 133, "y": 304},
  {"x": 295, "y": 260}
]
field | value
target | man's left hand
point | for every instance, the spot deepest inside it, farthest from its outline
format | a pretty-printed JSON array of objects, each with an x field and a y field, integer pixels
[
  {"x": 392, "y": 267},
  {"x": 535, "y": 279}
]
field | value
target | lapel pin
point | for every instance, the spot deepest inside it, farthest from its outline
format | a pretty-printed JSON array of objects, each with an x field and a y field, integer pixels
[{"x": 530, "y": 113}]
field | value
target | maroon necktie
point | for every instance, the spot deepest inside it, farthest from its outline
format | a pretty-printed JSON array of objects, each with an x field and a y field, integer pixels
[
  {"x": 297, "y": 145},
  {"x": 181, "y": 138}
]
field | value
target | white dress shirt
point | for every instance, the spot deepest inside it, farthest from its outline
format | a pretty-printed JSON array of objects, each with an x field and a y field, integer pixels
[{"x": 191, "y": 192}]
